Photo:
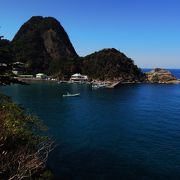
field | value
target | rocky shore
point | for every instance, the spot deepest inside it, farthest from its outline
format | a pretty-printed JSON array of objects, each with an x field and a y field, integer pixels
[
  {"x": 155, "y": 76},
  {"x": 161, "y": 76}
]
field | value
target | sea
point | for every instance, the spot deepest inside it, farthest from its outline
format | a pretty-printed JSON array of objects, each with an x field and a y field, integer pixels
[{"x": 128, "y": 133}]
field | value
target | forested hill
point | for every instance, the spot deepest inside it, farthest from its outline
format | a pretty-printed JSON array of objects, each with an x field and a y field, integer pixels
[{"x": 111, "y": 64}]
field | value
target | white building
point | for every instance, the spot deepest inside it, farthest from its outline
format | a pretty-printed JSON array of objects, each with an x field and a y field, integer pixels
[
  {"x": 79, "y": 78},
  {"x": 41, "y": 76}
]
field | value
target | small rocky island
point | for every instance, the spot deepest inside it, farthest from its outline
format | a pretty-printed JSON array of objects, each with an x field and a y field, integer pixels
[{"x": 161, "y": 76}]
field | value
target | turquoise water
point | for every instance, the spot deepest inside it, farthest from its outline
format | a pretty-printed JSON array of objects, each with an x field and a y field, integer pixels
[{"x": 128, "y": 133}]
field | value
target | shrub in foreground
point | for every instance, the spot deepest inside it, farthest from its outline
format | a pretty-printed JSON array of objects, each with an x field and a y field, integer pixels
[{"x": 23, "y": 152}]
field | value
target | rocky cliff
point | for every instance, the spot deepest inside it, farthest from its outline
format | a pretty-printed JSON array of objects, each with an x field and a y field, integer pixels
[{"x": 41, "y": 42}]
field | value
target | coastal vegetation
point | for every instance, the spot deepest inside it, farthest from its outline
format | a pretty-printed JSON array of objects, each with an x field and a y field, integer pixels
[{"x": 23, "y": 151}]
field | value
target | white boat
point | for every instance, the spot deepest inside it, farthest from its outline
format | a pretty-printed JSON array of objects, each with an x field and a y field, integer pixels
[
  {"x": 71, "y": 95},
  {"x": 96, "y": 86}
]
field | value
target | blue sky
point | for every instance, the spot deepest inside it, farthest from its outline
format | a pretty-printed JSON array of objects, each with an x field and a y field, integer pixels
[{"x": 148, "y": 31}]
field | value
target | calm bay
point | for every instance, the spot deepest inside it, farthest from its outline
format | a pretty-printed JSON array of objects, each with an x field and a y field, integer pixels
[{"x": 131, "y": 132}]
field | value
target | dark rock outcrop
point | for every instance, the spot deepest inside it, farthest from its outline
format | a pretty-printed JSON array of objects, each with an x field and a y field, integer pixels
[
  {"x": 110, "y": 64},
  {"x": 42, "y": 41},
  {"x": 159, "y": 75}
]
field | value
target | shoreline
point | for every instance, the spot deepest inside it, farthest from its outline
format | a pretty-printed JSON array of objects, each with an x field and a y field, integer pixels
[
  {"x": 108, "y": 84},
  {"x": 36, "y": 79}
]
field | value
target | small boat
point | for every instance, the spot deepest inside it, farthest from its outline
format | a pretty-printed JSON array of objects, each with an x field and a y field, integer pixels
[
  {"x": 71, "y": 95},
  {"x": 96, "y": 86}
]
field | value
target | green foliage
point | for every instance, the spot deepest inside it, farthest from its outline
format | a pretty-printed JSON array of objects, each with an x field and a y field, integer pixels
[
  {"x": 23, "y": 150},
  {"x": 18, "y": 126},
  {"x": 47, "y": 174}
]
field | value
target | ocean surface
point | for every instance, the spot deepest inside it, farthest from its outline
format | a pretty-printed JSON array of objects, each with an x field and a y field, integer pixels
[{"x": 128, "y": 133}]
